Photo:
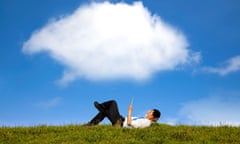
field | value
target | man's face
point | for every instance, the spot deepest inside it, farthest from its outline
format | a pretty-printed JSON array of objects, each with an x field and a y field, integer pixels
[{"x": 149, "y": 115}]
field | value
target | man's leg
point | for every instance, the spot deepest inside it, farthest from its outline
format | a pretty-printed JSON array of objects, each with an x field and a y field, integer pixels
[
  {"x": 97, "y": 119},
  {"x": 110, "y": 109}
]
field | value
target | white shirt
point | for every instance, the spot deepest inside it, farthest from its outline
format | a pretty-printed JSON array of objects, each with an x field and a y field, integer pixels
[{"x": 138, "y": 122}]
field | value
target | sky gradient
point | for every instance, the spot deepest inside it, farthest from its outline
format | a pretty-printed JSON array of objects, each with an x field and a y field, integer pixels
[{"x": 58, "y": 57}]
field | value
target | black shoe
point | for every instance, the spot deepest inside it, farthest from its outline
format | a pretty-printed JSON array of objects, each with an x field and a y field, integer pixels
[{"x": 99, "y": 106}]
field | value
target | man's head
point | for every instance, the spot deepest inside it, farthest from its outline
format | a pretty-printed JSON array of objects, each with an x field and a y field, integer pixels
[{"x": 153, "y": 115}]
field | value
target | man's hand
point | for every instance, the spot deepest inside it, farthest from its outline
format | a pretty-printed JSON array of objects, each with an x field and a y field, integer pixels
[{"x": 129, "y": 118}]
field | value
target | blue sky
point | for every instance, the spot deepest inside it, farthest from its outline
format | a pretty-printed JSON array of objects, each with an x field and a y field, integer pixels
[{"x": 58, "y": 57}]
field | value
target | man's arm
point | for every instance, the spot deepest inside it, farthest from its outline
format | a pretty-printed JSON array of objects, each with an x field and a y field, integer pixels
[{"x": 129, "y": 117}]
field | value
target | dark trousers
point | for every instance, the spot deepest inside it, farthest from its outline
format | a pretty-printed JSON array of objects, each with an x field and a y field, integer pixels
[{"x": 107, "y": 109}]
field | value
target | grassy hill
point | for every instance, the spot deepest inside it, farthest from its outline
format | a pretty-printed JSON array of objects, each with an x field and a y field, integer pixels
[{"x": 106, "y": 134}]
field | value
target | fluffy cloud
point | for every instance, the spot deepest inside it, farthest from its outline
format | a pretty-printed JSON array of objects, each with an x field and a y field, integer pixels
[
  {"x": 103, "y": 41},
  {"x": 231, "y": 65},
  {"x": 219, "y": 109}
]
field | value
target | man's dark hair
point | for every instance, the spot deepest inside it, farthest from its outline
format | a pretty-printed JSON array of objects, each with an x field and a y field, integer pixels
[{"x": 156, "y": 113}]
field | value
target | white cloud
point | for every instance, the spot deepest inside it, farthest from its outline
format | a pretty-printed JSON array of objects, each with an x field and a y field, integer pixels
[
  {"x": 231, "y": 65},
  {"x": 49, "y": 103},
  {"x": 169, "y": 121},
  {"x": 111, "y": 41},
  {"x": 219, "y": 109}
]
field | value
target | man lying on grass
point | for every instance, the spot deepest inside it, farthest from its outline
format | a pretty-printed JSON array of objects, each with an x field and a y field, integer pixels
[{"x": 109, "y": 109}]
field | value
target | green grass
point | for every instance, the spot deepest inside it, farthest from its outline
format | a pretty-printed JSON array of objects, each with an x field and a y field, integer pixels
[{"x": 106, "y": 134}]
